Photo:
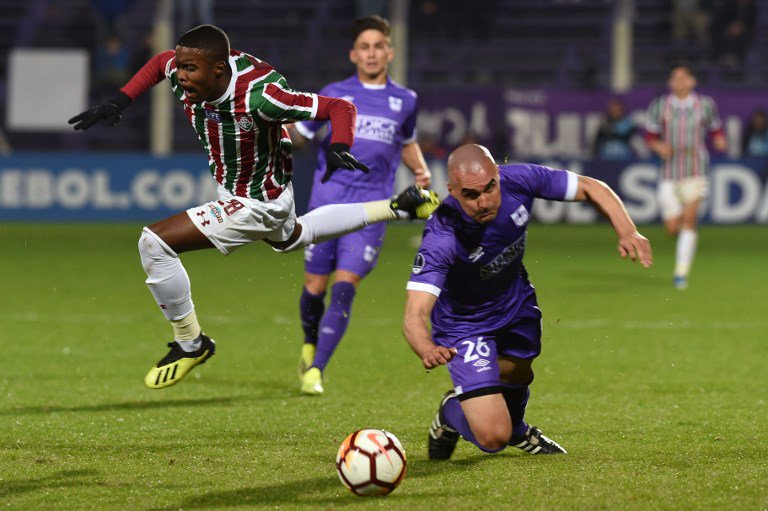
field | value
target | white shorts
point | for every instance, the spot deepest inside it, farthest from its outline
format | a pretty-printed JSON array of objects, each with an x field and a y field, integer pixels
[
  {"x": 232, "y": 222},
  {"x": 674, "y": 195}
]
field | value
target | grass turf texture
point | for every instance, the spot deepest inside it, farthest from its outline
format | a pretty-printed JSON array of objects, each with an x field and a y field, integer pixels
[{"x": 658, "y": 395}]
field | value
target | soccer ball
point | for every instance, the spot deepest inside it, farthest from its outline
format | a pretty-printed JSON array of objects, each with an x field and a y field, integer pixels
[{"x": 371, "y": 462}]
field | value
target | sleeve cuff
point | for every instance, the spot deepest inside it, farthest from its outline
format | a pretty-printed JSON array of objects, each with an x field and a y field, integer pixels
[
  {"x": 421, "y": 286},
  {"x": 411, "y": 139},
  {"x": 572, "y": 186}
]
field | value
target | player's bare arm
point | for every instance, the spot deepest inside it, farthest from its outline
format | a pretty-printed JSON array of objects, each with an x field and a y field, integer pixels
[
  {"x": 417, "y": 310},
  {"x": 413, "y": 158},
  {"x": 631, "y": 243}
]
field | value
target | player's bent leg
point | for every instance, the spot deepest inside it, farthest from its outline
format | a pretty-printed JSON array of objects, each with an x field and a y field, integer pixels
[
  {"x": 169, "y": 284},
  {"x": 334, "y": 220},
  {"x": 489, "y": 421}
]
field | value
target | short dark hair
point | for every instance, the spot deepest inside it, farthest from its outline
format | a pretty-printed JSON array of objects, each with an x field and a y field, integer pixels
[
  {"x": 209, "y": 38},
  {"x": 360, "y": 25},
  {"x": 683, "y": 65}
]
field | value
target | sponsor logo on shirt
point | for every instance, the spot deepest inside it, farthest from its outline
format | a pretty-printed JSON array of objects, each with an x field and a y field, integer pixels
[
  {"x": 245, "y": 121},
  {"x": 395, "y": 104},
  {"x": 212, "y": 115},
  {"x": 418, "y": 263},
  {"x": 375, "y": 128},
  {"x": 504, "y": 259},
  {"x": 520, "y": 216}
]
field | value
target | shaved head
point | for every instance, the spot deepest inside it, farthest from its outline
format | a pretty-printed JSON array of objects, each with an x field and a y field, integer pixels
[
  {"x": 473, "y": 180},
  {"x": 470, "y": 159}
]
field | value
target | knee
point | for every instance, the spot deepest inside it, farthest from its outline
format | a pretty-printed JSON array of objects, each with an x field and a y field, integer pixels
[
  {"x": 315, "y": 284},
  {"x": 493, "y": 437},
  {"x": 153, "y": 250}
]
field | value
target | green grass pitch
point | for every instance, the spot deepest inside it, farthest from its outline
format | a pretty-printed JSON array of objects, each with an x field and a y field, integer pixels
[{"x": 658, "y": 395}]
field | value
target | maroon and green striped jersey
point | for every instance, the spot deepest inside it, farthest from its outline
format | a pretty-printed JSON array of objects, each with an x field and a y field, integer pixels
[
  {"x": 249, "y": 150},
  {"x": 684, "y": 124}
]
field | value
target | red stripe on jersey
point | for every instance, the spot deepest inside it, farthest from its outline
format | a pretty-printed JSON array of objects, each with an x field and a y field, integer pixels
[
  {"x": 288, "y": 98},
  {"x": 247, "y": 139},
  {"x": 273, "y": 190}
]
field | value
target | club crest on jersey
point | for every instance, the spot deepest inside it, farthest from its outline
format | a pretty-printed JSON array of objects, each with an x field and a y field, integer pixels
[
  {"x": 395, "y": 104},
  {"x": 212, "y": 115},
  {"x": 245, "y": 121},
  {"x": 418, "y": 263},
  {"x": 520, "y": 216}
]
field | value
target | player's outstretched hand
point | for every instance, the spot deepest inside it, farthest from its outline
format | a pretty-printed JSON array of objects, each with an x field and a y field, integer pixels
[
  {"x": 338, "y": 157},
  {"x": 637, "y": 247},
  {"x": 109, "y": 111},
  {"x": 438, "y": 356}
]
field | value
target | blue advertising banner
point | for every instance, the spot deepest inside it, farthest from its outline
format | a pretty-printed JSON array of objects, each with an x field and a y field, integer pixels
[
  {"x": 131, "y": 187},
  {"x": 109, "y": 186}
]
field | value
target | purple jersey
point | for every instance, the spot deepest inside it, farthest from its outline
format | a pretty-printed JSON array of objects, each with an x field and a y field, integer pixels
[
  {"x": 476, "y": 270},
  {"x": 386, "y": 120}
]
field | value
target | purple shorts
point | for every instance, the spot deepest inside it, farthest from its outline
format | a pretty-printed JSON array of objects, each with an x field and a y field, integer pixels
[
  {"x": 356, "y": 252},
  {"x": 476, "y": 366}
]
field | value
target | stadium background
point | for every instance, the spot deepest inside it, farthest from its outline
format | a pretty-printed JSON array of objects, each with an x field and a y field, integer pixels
[
  {"x": 529, "y": 79},
  {"x": 658, "y": 395}
]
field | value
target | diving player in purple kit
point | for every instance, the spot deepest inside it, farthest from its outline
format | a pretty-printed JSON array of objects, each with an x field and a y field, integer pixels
[
  {"x": 468, "y": 277},
  {"x": 385, "y": 133}
]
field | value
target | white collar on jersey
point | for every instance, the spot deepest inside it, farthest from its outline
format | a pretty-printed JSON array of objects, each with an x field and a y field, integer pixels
[
  {"x": 231, "y": 87},
  {"x": 683, "y": 102},
  {"x": 374, "y": 86}
]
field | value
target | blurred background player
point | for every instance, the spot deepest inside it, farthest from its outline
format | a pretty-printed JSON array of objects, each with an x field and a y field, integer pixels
[
  {"x": 237, "y": 105},
  {"x": 614, "y": 137},
  {"x": 385, "y": 134},
  {"x": 755, "y": 141},
  {"x": 676, "y": 128},
  {"x": 468, "y": 277}
]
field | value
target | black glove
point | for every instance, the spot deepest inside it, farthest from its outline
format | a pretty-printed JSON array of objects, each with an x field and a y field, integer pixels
[
  {"x": 111, "y": 111},
  {"x": 338, "y": 157}
]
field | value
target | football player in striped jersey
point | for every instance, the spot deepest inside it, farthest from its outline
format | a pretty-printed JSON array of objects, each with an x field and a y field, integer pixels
[
  {"x": 238, "y": 105},
  {"x": 676, "y": 130}
]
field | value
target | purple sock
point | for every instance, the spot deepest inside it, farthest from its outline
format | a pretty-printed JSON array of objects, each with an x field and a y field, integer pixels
[
  {"x": 516, "y": 397},
  {"x": 454, "y": 416},
  {"x": 334, "y": 322},
  {"x": 311, "y": 309}
]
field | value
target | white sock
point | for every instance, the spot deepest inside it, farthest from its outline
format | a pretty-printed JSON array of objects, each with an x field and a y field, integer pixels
[
  {"x": 334, "y": 220},
  {"x": 166, "y": 277},
  {"x": 686, "y": 249}
]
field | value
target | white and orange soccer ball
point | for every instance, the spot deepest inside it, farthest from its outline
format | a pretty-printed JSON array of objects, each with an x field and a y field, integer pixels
[{"x": 371, "y": 462}]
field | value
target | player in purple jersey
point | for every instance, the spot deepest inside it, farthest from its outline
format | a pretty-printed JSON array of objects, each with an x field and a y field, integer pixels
[
  {"x": 385, "y": 133},
  {"x": 469, "y": 279},
  {"x": 238, "y": 104}
]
